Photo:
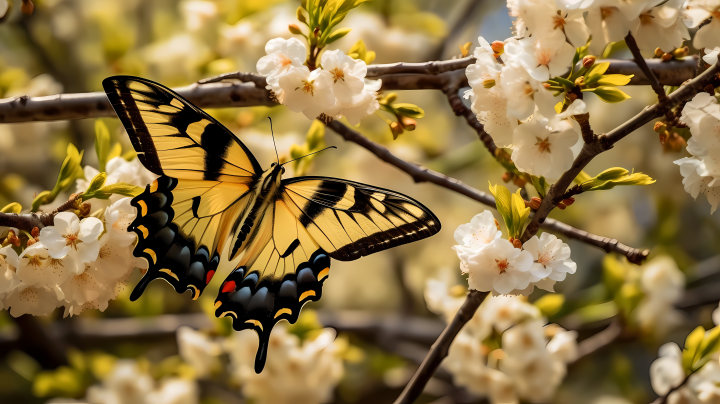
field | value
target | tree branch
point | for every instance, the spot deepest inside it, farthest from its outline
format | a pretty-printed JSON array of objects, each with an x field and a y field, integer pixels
[
  {"x": 671, "y": 73},
  {"x": 422, "y": 174},
  {"x": 654, "y": 83},
  {"x": 606, "y": 142},
  {"x": 439, "y": 349},
  {"x": 598, "y": 341}
]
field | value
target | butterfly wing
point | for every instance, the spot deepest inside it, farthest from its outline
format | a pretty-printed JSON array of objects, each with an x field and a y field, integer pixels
[
  {"x": 206, "y": 173},
  {"x": 312, "y": 220}
]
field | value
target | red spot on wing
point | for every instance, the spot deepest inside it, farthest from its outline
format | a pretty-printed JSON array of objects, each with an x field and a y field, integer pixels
[
  {"x": 229, "y": 286},
  {"x": 209, "y": 276}
]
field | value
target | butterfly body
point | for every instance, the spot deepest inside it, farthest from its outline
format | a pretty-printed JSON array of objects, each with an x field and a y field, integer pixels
[{"x": 213, "y": 206}]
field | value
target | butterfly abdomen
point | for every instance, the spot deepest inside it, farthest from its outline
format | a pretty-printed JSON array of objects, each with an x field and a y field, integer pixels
[{"x": 171, "y": 255}]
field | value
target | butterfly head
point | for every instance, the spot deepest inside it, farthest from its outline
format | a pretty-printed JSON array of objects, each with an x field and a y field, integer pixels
[{"x": 272, "y": 177}]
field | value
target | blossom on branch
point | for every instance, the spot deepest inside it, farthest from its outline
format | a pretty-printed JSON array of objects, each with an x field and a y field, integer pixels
[
  {"x": 542, "y": 147},
  {"x": 73, "y": 237}
]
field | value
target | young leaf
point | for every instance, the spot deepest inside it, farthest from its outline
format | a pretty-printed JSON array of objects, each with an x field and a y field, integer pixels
[
  {"x": 610, "y": 95},
  {"x": 409, "y": 110},
  {"x": 335, "y": 35},
  {"x": 613, "y": 177},
  {"x": 540, "y": 185},
  {"x": 709, "y": 345},
  {"x": 550, "y": 304},
  {"x": 13, "y": 207},
  {"x": 565, "y": 83},
  {"x": 614, "y": 79},
  {"x": 595, "y": 72},
  {"x": 119, "y": 188},
  {"x": 582, "y": 177},
  {"x": 315, "y": 137},
  {"x": 692, "y": 344},
  {"x": 96, "y": 183},
  {"x": 520, "y": 215},
  {"x": 102, "y": 143},
  {"x": 503, "y": 204}
]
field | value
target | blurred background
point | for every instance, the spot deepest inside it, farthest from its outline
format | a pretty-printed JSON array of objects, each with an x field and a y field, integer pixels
[{"x": 376, "y": 304}]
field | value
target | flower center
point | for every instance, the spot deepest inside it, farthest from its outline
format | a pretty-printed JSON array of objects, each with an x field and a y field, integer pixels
[
  {"x": 502, "y": 265},
  {"x": 543, "y": 56},
  {"x": 544, "y": 259},
  {"x": 527, "y": 89},
  {"x": 72, "y": 240},
  {"x": 122, "y": 223},
  {"x": 558, "y": 21},
  {"x": 606, "y": 12},
  {"x": 646, "y": 19},
  {"x": 34, "y": 260},
  {"x": 104, "y": 252},
  {"x": 543, "y": 145},
  {"x": 307, "y": 87},
  {"x": 337, "y": 75},
  {"x": 55, "y": 263},
  {"x": 282, "y": 60}
]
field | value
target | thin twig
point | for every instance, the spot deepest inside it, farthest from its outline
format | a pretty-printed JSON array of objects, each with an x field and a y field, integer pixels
[
  {"x": 422, "y": 174},
  {"x": 584, "y": 121},
  {"x": 440, "y": 348},
  {"x": 600, "y": 340},
  {"x": 654, "y": 83},
  {"x": 671, "y": 73},
  {"x": 27, "y": 221},
  {"x": 606, "y": 142},
  {"x": 258, "y": 80}
]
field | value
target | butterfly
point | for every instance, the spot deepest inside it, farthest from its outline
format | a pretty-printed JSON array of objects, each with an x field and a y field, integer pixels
[{"x": 213, "y": 204}]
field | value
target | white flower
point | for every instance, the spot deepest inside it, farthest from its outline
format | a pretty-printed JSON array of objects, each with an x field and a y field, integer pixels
[
  {"x": 365, "y": 104},
  {"x": 4, "y": 7},
  {"x": 307, "y": 92},
  {"x": 118, "y": 170},
  {"x": 282, "y": 54},
  {"x": 474, "y": 236},
  {"x": 37, "y": 268},
  {"x": 117, "y": 219},
  {"x": 542, "y": 59},
  {"x": 114, "y": 260},
  {"x": 660, "y": 27},
  {"x": 36, "y": 301},
  {"x": 198, "y": 350},
  {"x": 443, "y": 300},
  {"x": 8, "y": 267},
  {"x": 564, "y": 346},
  {"x": 712, "y": 57},
  {"x": 544, "y": 19},
  {"x": 126, "y": 384},
  {"x": 662, "y": 277},
  {"x": 607, "y": 23},
  {"x": 696, "y": 179},
  {"x": 667, "y": 370},
  {"x": 175, "y": 390},
  {"x": 697, "y": 11},
  {"x": 551, "y": 257},
  {"x": 198, "y": 14},
  {"x": 524, "y": 94},
  {"x": 347, "y": 75},
  {"x": 307, "y": 372},
  {"x": 503, "y": 312},
  {"x": 71, "y": 236},
  {"x": 543, "y": 148},
  {"x": 500, "y": 268},
  {"x": 525, "y": 340}
]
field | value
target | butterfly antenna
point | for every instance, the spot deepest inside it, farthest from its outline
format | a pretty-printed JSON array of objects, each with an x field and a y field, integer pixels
[
  {"x": 329, "y": 147},
  {"x": 273, "y": 136}
]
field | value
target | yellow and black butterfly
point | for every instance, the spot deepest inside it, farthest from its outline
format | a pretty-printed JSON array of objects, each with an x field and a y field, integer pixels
[{"x": 213, "y": 203}]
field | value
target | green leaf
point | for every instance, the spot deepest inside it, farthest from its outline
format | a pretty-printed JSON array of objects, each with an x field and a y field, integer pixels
[
  {"x": 709, "y": 345},
  {"x": 503, "y": 204},
  {"x": 610, "y": 95},
  {"x": 360, "y": 51},
  {"x": 520, "y": 215},
  {"x": 613, "y": 177},
  {"x": 337, "y": 34},
  {"x": 692, "y": 344},
  {"x": 315, "y": 137},
  {"x": 409, "y": 110},
  {"x": 582, "y": 177},
  {"x": 13, "y": 207},
  {"x": 613, "y": 273},
  {"x": 595, "y": 72},
  {"x": 550, "y": 304},
  {"x": 540, "y": 185},
  {"x": 614, "y": 80},
  {"x": 102, "y": 143},
  {"x": 119, "y": 188},
  {"x": 40, "y": 199},
  {"x": 565, "y": 83}
]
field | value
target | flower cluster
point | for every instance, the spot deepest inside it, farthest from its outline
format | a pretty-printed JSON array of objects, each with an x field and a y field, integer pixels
[
  {"x": 308, "y": 371},
  {"x": 118, "y": 170},
  {"x": 702, "y": 171},
  {"x": 337, "y": 88},
  {"x": 662, "y": 284},
  {"x": 498, "y": 265},
  {"x": 531, "y": 360}
]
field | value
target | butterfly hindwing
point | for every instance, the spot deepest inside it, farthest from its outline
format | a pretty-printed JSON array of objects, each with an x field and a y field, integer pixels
[
  {"x": 174, "y": 137},
  {"x": 350, "y": 220}
]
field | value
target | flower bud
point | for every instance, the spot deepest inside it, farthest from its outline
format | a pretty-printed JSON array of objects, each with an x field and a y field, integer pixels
[
  {"x": 515, "y": 242},
  {"x": 27, "y": 7},
  {"x": 519, "y": 181},
  {"x": 679, "y": 52},
  {"x": 498, "y": 47},
  {"x": 572, "y": 96},
  {"x": 84, "y": 210},
  {"x": 546, "y": 85},
  {"x": 35, "y": 232},
  {"x": 568, "y": 201},
  {"x": 389, "y": 99},
  {"x": 660, "y": 127},
  {"x": 408, "y": 123},
  {"x": 658, "y": 52},
  {"x": 316, "y": 31},
  {"x": 588, "y": 61},
  {"x": 675, "y": 143},
  {"x": 507, "y": 177},
  {"x": 13, "y": 239},
  {"x": 31, "y": 242},
  {"x": 294, "y": 29},
  {"x": 497, "y": 224},
  {"x": 666, "y": 57},
  {"x": 580, "y": 81},
  {"x": 465, "y": 48},
  {"x": 534, "y": 203},
  {"x": 396, "y": 129}
]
